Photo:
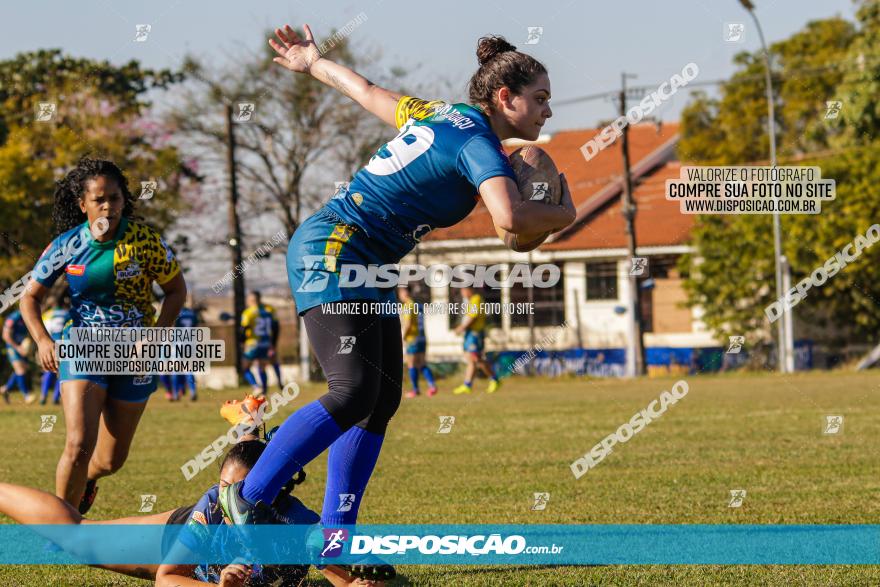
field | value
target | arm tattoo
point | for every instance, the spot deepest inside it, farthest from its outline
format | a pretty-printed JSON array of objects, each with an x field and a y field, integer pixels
[{"x": 338, "y": 84}]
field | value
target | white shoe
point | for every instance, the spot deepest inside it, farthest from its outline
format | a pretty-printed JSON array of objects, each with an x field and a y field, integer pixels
[{"x": 30, "y": 398}]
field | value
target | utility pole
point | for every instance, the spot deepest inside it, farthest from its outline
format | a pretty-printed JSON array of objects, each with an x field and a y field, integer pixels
[
  {"x": 636, "y": 352},
  {"x": 234, "y": 238}
]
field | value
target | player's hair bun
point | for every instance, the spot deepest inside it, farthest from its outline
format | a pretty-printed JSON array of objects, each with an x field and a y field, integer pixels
[{"x": 490, "y": 47}]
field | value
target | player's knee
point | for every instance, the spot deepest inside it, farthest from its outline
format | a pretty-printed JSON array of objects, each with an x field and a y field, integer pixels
[
  {"x": 107, "y": 465},
  {"x": 77, "y": 450}
]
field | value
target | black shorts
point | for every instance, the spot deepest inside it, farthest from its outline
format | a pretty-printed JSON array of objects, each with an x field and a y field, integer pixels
[{"x": 178, "y": 517}]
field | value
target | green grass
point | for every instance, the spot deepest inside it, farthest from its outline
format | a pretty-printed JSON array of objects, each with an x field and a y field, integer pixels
[{"x": 759, "y": 432}]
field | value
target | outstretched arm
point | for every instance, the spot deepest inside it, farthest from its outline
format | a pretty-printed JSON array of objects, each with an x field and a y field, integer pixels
[{"x": 302, "y": 56}]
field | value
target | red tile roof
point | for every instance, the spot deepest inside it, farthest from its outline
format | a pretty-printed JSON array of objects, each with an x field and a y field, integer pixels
[{"x": 658, "y": 222}]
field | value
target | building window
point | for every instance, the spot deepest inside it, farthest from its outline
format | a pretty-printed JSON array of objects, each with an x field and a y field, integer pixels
[
  {"x": 602, "y": 281},
  {"x": 549, "y": 303}
]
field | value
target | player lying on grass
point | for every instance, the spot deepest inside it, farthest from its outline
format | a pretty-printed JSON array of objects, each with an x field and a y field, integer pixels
[{"x": 26, "y": 505}]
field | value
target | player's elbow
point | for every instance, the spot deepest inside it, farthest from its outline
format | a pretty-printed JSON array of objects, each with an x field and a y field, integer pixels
[{"x": 507, "y": 220}]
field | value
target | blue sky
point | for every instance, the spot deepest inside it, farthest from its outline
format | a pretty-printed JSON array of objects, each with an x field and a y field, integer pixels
[{"x": 585, "y": 44}]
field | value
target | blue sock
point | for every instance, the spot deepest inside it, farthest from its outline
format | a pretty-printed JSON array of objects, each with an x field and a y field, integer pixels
[
  {"x": 179, "y": 383},
  {"x": 191, "y": 382},
  {"x": 249, "y": 377},
  {"x": 263, "y": 381},
  {"x": 429, "y": 376},
  {"x": 352, "y": 460},
  {"x": 11, "y": 381},
  {"x": 47, "y": 381},
  {"x": 414, "y": 377},
  {"x": 469, "y": 383},
  {"x": 304, "y": 435},
  {"x": 57, "y": 397},
  {"x": 277, "y": 368},
  {"x": 21, "y": 381},
  {"x": 166, "y": 382}
]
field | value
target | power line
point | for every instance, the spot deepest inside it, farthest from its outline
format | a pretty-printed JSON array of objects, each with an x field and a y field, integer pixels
[{"x": 860, "y": 64}]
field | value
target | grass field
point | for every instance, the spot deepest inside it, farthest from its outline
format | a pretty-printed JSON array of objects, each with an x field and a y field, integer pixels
[{"x": 759, "y": 432}]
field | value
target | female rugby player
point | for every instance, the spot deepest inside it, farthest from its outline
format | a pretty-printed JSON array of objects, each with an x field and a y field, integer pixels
[
  {"x": 110, "y": 262},
  {"x": 426, "y": 177},
  {"x": 32, "y": 506}
]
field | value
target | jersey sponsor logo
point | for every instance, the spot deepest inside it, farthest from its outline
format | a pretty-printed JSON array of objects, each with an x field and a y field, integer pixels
[
  {"x": 456, "y": 118},
  {"x": 75, "y": 269},
  {"x": 115, "y": 315},
  {"x": 142, "y": 380},
  {"x": 132, "y": 270}
]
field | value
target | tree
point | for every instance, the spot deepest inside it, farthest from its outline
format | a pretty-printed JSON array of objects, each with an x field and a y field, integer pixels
[
  {"x": 98, "y": 109},
  {"x": 731, "y": 274},
  {"x": 301, "y": 135}
]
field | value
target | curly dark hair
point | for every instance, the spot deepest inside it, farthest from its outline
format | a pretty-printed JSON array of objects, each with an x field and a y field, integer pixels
[
  {"x": 69, "y": 191},
  {"x": 247, "y": 452},
  {"x": 500, "y": 65}
]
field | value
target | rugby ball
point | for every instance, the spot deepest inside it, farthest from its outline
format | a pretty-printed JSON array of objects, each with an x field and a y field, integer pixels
[{"x": 537, "y": 179}]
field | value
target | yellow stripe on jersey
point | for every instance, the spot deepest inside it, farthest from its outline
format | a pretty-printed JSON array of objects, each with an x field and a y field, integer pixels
[
  {"x": 409, "y": 107},
  {"x": 340, "y": 235}
]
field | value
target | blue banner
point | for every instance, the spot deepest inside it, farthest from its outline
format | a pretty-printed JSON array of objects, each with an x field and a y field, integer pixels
[{"x": 443, "y": 544}]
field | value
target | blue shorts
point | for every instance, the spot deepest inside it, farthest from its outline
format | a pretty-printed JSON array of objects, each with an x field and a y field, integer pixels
[
  {"x": 13, "y": 355},
  {"x": 320, "y": 247},
  {"x": 127, "y": 388},
  {"x": 255, "y": 351},
  {"x": 473, "y": 341},
  {"x": 417, "y": 346}
]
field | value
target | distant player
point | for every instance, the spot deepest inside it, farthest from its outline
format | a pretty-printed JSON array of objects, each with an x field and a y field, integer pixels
[
  {"x": 473, "y": 327},
  {"x": 54, "y": 319},
  {"x": 414, "y": 343},
  {"x": 110, "y": 262},
  {"x": 260, "y": 335},
  {"x": 188, "y": 318},
  {"x": 15, "y": 335}
]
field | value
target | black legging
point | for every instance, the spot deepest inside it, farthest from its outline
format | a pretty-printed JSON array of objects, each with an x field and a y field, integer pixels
[{"x": 364, "y": 377}]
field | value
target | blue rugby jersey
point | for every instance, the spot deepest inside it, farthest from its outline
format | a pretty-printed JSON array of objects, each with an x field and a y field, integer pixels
[
  {"x": 110, "y": 282},
  {"x": 427, "y": 177}
]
